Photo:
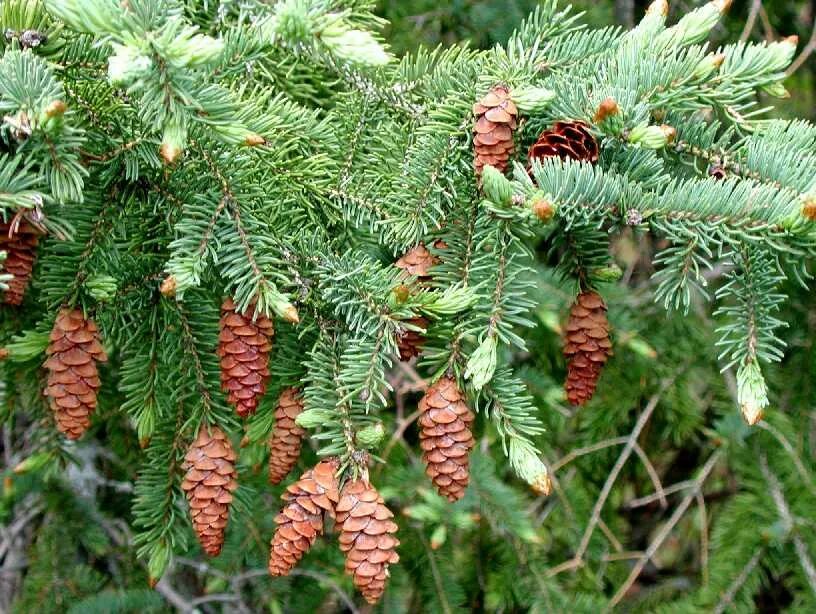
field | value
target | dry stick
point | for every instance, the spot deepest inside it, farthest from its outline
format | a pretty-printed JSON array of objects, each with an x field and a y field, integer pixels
[
  {"x": 577, "y": 559},
  {"x": 669, "y": 490},
  {"x": 728, "y": 597},
  {"x": 788, "y": 522},
  {"x": 807, "y": 478},
  {"x": 749, "y": 24},
  {"x": 809, "y": 48},
  {"x": 578, "y": 452},
  {"x": 666, "y": 529},
  {"x": 703, "y": 536},
  {"x": 659, "y": 492}
]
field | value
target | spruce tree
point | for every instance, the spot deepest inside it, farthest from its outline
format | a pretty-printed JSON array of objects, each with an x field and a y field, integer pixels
[{"x": 220, "y": 201}]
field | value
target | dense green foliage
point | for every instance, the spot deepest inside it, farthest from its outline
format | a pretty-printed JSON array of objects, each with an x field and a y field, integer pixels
[{"x": 278, "y": 153}]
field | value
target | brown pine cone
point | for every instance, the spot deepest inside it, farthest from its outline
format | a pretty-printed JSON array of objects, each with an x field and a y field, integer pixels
[
  {"x": 418, "y": 262},
  {"x": 587, "y": 346},
  {"x": 243, "y": 346},
  {"x": 367, "y": 537},
  {"x": 496, "y": 118},
  {"x": 445, "y": 437},
  {"x": 284, "y": 445},
  {"x": 568, "y": 140},
  {"x": 21, "y": 251},
  {"x": 210, "y": 480},
  {"x": 73, "y": 377},
  {"x": 301, "y": 520}
]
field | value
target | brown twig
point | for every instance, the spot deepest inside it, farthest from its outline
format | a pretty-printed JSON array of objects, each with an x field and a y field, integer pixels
[
  {"x": 807, "y": 50},
  {"x": 666, "y": 529},
  {"x": 756, "y": 5}
]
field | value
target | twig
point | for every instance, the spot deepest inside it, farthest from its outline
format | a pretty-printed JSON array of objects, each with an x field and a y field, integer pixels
[
  {"x": 809, "y": 48},
  {"x": 728, "y": 597},
  {"x": 787, "y": 520},
  {"x": 669, "y": 490},
  {"x": 577, "y": 559},
  {"x": 703, "y": 536},
  {"x": 578, "y": 452},
  {"x": 807, "y": 478},
  {"x": 749, "y": 23},
  {"x": 666, "y": 529},
  {"x": 659, "y": 492}
]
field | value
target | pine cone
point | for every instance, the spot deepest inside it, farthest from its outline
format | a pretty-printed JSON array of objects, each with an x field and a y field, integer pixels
[
  {"x": 587, "y": 346},
  {"x": 301, "y": 520},
  {"x": 284, "y": 445},
  {"x": 445, "y": 437},
  {"x": 21, "y": 251},
  {"x": 73, "y": 378},
  {"x": 244, "y": 346},
  {"x": 210, "y": 480},
  {"x": 367, "y": 537},
  {"x": 567, "y": 140},
  {"x": 496, "y": 118},
  {"x": 417, "y": 262}
]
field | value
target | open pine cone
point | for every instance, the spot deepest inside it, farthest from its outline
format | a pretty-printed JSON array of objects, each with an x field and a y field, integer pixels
[
  {"x": 587, "y": 346},
  {"x": 568, "y": 140},
  {"x": 496, "y": 119}
]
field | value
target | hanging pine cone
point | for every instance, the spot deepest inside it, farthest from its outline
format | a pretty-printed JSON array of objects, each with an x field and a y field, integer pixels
[
  {"x": 20, "y": 245},
  {"x": 587, "y": 346},
  {"x": 496, "y": 118},
  {"x": 284, "y": 445},
  {"x": 445, "y": 437},
  {"x": 244, "y": 346},
  {"x": 367, "y": 537},
  {"x": 73, "y": 378},
  {"x": 568, "y": 140},
  {"x": 301, "y": 520},
  {"x": 210, "y": 480},
  {"x": 418, "y": 262}
]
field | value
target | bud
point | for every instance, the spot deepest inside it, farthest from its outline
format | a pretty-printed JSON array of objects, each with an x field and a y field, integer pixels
[
  {"x": 776, "y": 89},
  {"x": 639, "y": 346},
  {"x": 168, "y": 286},
  {"x": 401, "y": 293},
  {"x": 101, "y": 287},
  {"x": 809, "y": 207},
  {"x": 253, "y": 140},
  {"x": 34, "y": 462},
  {"x": 371, "y": 436},
  {"x": 608, "y": 108},
  {"x": 127, "y": 64},
  {"x": 541, "y": 207},
  {"x": 752, "y": 392},
  {"x": 174, "y": 139},
  {"x": 290, "y": 314},
  {"x": 57, "y": 108},
  {"x": 482, "y": 363},
  {"x": 658, "y": 7},
  {"x": 706, "y": 67},
  {"x": 438, "y": 537},
  {"x": 607, "y": 273},
  {"x": 4, "y": 353},
  {"x": 158, "y": 561},
  {"x": 532, "y": 100},
  {"x": 782, "y": 52},
  {"x": 190, "y": 50},
  {"x": 542, "y": 484},
  {"x": 496, "y": 186},
  {"x": 695, "y": 26},
  {"x": 312, "y": 418},
  {"x": 355, "y": 46},
  {"x": 652, "y": 137}
]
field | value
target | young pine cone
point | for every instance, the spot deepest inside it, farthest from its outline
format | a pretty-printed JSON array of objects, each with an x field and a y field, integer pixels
[
  {"x": 284, "y": 445},
  {"x": 587, "y": 346},
  {"x": 73, "y": 379},
  {"x": 496, "y": 118},
  {"x": 243, "y": 346},
  {"x": 567, "y": 140},
  {"x": 301, "y": 519},
  {"x": 21, "y": 251},
  {"x": 210, "y": 480},
  {"x": 367, "y": 537},
  {"x": 445, "y": 437},
  {"x": 417, "y": 262}
]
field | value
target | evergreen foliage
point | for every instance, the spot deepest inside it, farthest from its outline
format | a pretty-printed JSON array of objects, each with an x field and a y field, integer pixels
[{"x": 176, "y": 152}]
